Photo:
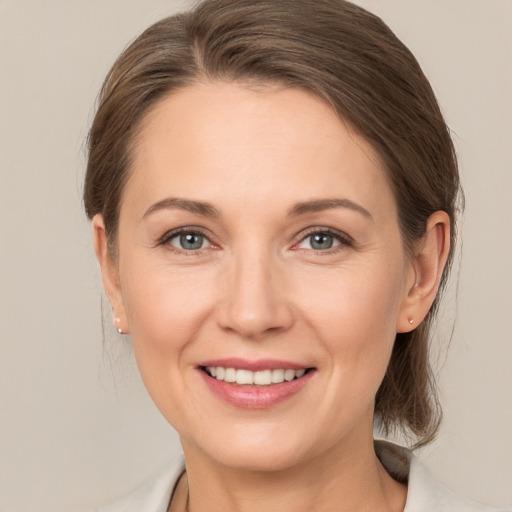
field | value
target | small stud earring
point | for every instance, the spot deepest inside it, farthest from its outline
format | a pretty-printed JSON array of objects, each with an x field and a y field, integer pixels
[
  {"x": 118, "y": 329},
  {"x": 411, "y": 321}
]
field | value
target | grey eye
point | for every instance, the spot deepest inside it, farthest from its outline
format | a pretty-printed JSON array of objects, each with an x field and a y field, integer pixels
[
  {"x": 319, "y": 242},
  {"x": 189, "y": 241}
]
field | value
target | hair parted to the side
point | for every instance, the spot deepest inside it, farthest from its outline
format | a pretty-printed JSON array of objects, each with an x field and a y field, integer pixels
[{"x": 338, "y": 52}]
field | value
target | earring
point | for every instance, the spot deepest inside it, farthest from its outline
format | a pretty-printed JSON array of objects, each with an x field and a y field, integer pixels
[
  {"x": 411, "y": 321},
  {"x": 118, "y": 329}
]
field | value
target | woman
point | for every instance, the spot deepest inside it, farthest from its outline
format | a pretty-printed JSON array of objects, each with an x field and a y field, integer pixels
[{"x": 273, "y": 193}]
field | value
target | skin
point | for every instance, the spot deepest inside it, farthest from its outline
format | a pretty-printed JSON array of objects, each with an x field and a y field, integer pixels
[{"x": 257, "y": 288}]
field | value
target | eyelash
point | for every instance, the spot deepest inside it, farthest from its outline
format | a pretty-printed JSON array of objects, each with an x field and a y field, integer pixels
[
  {"x": 343, "y": 239},
  {"x": 186, "y": 230}
]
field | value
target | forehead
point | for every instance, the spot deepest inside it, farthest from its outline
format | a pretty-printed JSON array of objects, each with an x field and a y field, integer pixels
[
  {"x": 217, "y": 112},
  {"x": 220, "y": 141}
]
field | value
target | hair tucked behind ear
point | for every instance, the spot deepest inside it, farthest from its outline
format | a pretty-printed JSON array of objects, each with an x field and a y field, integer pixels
[{"x": 344, "y": 55}]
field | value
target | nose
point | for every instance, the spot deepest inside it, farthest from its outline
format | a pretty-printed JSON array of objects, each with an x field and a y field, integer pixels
[{"x": 253, "y": 302}]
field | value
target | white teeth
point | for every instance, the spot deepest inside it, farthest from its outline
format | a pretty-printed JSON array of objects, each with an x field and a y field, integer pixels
[
  {"x": 289, "y": 375},
  {"x": 230, "y": 375},
  {"x": 244, "y": 377},
  {"x": 277, "y": 376},
  {"x": 259, "y": 378},
  {"x": 263, "y": 378}
]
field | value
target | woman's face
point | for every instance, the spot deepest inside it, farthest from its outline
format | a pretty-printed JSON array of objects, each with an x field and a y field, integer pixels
[{"x": 258, "y": 234}]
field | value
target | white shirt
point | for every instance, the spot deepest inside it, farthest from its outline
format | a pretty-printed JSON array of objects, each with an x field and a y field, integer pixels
[{"x": 424, "y": 494}]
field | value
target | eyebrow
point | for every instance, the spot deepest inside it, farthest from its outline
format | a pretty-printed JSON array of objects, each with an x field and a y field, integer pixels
[
  {"x": 327, "y": 204},
  {"x": 199, "y": 207},
  {"x": 208, "y": 210}
]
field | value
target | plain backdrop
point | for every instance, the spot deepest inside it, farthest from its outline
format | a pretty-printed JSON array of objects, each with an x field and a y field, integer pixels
[{"x": 76, "y": 427}]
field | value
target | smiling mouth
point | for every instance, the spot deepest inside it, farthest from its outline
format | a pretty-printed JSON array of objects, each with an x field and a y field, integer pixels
[{"x": 244, "y": 377}]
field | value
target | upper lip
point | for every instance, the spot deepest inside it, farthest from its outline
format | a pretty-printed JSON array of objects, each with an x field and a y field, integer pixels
[{"x": 256, "y": 365}]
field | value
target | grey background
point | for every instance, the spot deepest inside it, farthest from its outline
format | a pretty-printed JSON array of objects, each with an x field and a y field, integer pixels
[{"x": 76, "y": 428}]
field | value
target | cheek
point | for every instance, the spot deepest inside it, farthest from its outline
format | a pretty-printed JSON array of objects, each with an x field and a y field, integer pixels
[
  {"x": 354, "y": 298},
  {"x": 354, "y": 319},
  {"x": 165, "y": 306},
  {"x": 165, "y": 310},
  {"x": 353, "y": 311}
]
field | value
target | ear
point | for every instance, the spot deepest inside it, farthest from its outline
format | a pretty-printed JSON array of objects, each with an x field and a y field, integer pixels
[
  {"x": 110, "y": 274},
  {"x": 427, "y": 265}
]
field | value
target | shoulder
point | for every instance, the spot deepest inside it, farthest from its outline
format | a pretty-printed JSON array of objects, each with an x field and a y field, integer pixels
[
  {"x": 154, "y": 495},
  {"x": 425, "y": 493}
]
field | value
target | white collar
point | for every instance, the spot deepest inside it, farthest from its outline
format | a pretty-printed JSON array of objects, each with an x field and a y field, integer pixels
[{"x": 425, "y": 493}]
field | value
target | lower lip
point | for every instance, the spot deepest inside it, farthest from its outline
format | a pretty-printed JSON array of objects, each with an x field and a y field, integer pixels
[{"x": 255, "y": 397}]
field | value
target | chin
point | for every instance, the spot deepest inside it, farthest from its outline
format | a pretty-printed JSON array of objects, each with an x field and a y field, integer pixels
[
  {"x": 249, "y": 448},
  {"x": 259, "y": 459}
]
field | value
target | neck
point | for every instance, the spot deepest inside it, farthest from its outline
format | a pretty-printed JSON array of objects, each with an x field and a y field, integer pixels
[{"x": 348, "y": 477}]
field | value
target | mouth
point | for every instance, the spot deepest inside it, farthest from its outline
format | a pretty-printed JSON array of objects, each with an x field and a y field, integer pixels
[
  {"x": 263, "y": 377},
  {"x": 255, "y": 384}
]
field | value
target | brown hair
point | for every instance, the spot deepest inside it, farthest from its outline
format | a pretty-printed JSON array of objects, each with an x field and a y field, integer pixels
[{"x": 337, "y": 51}]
